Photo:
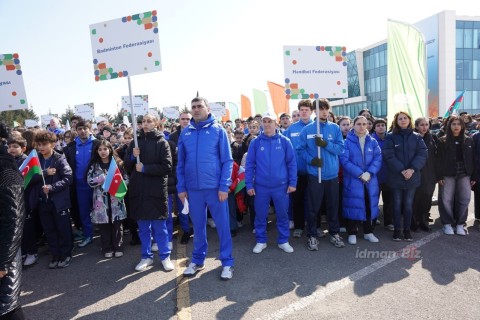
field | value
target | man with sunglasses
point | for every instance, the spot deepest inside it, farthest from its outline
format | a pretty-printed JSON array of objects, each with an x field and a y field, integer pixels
[{"x": 204, "y": 175}]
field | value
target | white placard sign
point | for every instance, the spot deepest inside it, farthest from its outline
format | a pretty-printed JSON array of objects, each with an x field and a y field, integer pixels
[
  {"x": 86, "y": 111},
  {"x": 12, "y": 90},
  {"x": 171, "y": 112},
  {"x": 218, "y": 109},
  {"x": 46, "y": 119},
  {"x": 30, "y": 123},
  {"x": 140, "y": 104},
  {"x": 126, "y": 46},
  {"x": 313, "y": 72}
]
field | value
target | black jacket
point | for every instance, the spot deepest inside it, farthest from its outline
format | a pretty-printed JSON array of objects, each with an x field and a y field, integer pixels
[
  {"x": 148, "y": 189},
  {"x": 172, "y": 177},
  {"x": 429, "y": 175},
  {"x": 447, "y": 158},
  {"x": 12, "y": 217}
]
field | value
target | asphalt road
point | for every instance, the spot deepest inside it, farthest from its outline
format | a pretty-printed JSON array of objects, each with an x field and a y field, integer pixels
[{"x": 435, "y": 277}]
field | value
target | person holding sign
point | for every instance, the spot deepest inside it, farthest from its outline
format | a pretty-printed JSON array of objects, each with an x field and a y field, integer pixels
[
  {"x": 204, "y": 174},
  {"x": 330, "y": 141},
  {"x": 148, "y": 190}
]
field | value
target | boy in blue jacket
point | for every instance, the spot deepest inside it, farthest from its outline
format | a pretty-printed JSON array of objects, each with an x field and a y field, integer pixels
[
  {"x": 271, "y": 174},
  {"x": 330, "y": 142}
]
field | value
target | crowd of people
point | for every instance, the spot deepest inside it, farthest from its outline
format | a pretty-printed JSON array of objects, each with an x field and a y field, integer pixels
[{"x": 205, "y": 172}]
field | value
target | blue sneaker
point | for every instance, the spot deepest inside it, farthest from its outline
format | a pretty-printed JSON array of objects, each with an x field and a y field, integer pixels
[{"x": 85, "y": 242}]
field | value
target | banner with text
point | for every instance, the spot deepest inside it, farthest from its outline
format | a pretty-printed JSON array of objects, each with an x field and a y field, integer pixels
[
  {"x": 171, "y": 112},
  {"x": 126, "y": 46},
  {"x": 140, "y": 105},
  {"x": 12, "y": 89},
  {"x": 86, "y": 111},
  {"x": 218, "y": 109},
  {"x": 313, "y": 72}
]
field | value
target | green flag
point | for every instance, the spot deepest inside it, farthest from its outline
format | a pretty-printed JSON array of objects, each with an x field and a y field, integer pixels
[
  {"x": 233, "y": 111},
  {"x": 260, "y": 101},
  {"x": 406, "y": 73}
]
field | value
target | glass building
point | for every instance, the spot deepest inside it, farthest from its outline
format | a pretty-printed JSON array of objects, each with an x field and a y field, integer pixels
[{"x": 453, "y": 65}]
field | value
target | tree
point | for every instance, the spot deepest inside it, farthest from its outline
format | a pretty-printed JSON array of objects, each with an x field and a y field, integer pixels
[
  {"x": 18, "y": 116},
  {"x": 107, "y": 116},
  {"x": 67, "y": 115}
]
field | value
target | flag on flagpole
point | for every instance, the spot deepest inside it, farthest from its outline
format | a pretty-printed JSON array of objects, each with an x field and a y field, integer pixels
[
  {"x": 406, "y": 70},
  {"x": 455, "y": 105},
  {"x": 30, "y": 167},
  {"x": 277, "y": 93},
  {"x": 246, "y": 107},
  {"x": 233, "y": 110},
  {"x": 260, "y": 101},
  {"x": 241, "y": 177},
  {"x": 114, "y": 183}
]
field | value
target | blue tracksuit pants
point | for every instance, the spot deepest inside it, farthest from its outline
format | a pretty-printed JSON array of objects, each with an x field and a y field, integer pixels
[
  {"x": 160, "y": 236},
  {"x": 198, "y": 201},
  {"x": 281, "y": 201}
]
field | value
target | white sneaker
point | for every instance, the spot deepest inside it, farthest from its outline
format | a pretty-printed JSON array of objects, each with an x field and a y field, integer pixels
[
  {"x": 352, "y": 239},
  {"x": 144, "y": 263},
  {"x": 227, "y": 273},
  {"x": 320, "y": 232},
  {"x": 447, "y": 229},
  {"x": 343, "y": 230},
  {"x": 192, "y": 269},
  {"x": 286, "y": 247},
  {"x": 30, "y": 259},
  {"x": 239, "y": 224},
  {"x": 291, "y": 225},
  {"x": 460, "y": 230},
  {"x": 167, "y": 264},
  {"x": 211, "y": 223},
  {"x": 154, "y": 247},
  {"x": 170, "y": 245},
  {"x": 370, "y": 237},
  {"x": 259, "y": 247},
  {"x": 109, "y": 255}
]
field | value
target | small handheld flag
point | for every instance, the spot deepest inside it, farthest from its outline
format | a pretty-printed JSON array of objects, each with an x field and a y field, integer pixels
[
  {"x": 241, "y": 177},
  {"x": 30, "y": 167},
  {"x": 455, "y": 105},
  {"x": 114, "y": 183}
]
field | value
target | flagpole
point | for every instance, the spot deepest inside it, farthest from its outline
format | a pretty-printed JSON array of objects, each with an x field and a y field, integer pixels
[
  {"x": 317, "y": 110},
  {"x": 134, "y": 118}
]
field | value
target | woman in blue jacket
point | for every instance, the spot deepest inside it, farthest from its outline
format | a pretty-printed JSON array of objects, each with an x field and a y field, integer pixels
[
  {"x": 405, "y": 154},
  {"x": 361, "y": 161}
]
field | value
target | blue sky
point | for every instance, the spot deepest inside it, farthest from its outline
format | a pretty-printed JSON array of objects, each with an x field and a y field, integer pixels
[{"x": 221, "y": 48}]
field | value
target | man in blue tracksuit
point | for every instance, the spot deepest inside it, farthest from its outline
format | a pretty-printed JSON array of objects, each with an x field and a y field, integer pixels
[
  {"x": 271, "y": 174},
  {"x": 330, "y": 142},
  {"x": 204, "y": 174},
  {"x": 305, "y": 109}
]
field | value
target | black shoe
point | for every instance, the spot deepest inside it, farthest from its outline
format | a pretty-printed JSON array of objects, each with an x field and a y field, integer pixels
[
  {"x": 425, "y": 227},
  {"x": 407, "y": 236},
  {"x": 185, "y": 238},
  {"x": 233, "y": 233},
  {"x": 396, "y": 235}
]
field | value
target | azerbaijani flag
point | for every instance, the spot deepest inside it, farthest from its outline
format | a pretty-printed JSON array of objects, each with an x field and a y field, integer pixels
[
  {"x": 455, "y": 105},
  {"x": 114, "y": 183},
  {"x": 29, "y": 167},
  {"x": 241, "y": 177}
]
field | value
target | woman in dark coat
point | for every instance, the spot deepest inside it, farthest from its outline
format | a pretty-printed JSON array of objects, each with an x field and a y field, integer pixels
[
  {"x": 405, "y": 154},
  {"x": 456, "y": 175},
  {"x": 148, "y": 190},
  {"x": 12, "y": 216},
  {"x": 361, "y": 160},
  {"x": 422, "y": 201}
]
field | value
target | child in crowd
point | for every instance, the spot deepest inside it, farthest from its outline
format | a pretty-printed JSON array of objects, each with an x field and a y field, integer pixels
[
  {"x": 107, "y": 211},
  {"x": 54, "y": 201},
  {"x": 16, "y": 148}
]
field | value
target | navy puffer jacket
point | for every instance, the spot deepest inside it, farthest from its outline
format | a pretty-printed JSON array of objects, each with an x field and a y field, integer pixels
[{"x": 404, "y": 150}]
